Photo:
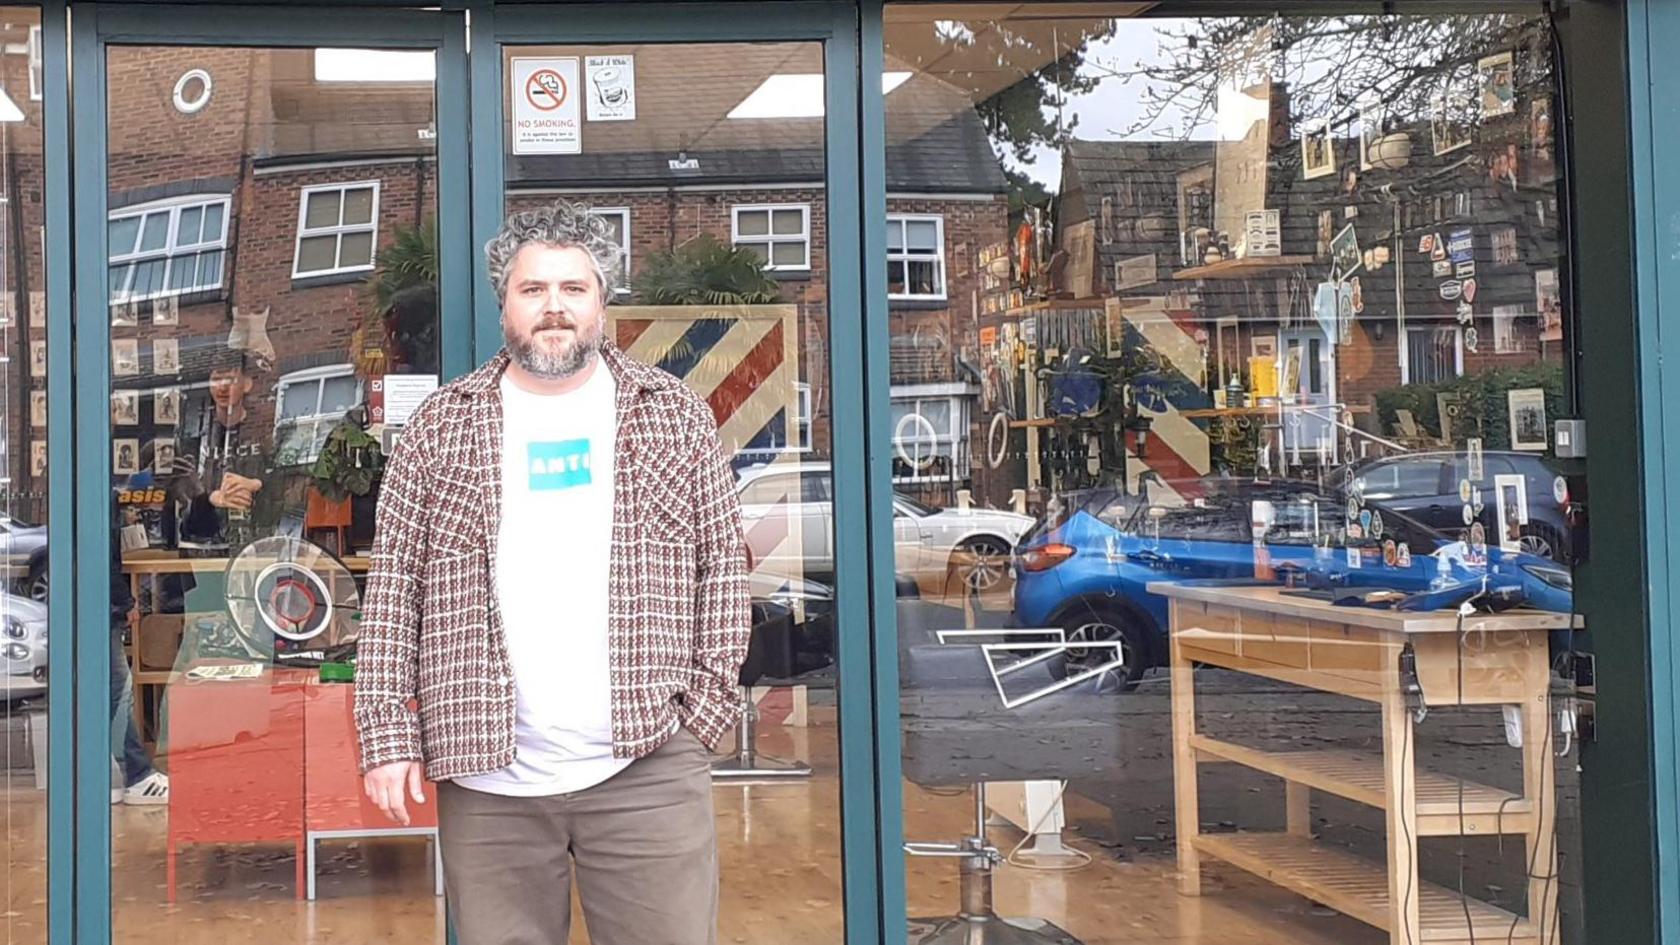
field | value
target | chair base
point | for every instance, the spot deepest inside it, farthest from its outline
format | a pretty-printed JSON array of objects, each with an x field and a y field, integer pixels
[
  {"x": 758, "y": 767},
  {"x": 987, "y": 930}
]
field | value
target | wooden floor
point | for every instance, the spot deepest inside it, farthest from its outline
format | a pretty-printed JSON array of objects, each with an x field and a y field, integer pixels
[{"x": 781, "y": 880}]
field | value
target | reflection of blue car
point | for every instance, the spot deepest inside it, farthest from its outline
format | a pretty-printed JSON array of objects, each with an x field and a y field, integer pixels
[{"x": 1086, "y": 569}]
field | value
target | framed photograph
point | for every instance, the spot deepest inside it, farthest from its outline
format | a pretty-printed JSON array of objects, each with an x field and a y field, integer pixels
[
  {"x": 1528, "y": 419},
  {"x": 163, "y": 456},
  {"x": 38, "y": 358},
  {"x": 1504, "y": 240},
  {"x": 124, "y": 314},
  {"x": 1505, "y": 329},
  {"x": 1318, "y": 151},
  {"x": 125, "y": 357},
  {"x": 1370, "y": 129},
  {"x": 1344, "y": 254},
  {"x": 166, "y": 356},
  {"x": 1263, "y": 346},
  {"x": 37, "y": 309},
  {"x": 166, "y": 311},
  {"x": 1450, "y": 122},
  {"x": 1497, "y": 80},
  {"x": 166, "y": 406},
  {"x": 125, "y": 408},
  {"x": 125, "y": 457},
  {"x": 1548, "y": 301},
  {"x": 1290, "y": 385},
  {"x": 1510, "y": 503},
  {"x": 38, "y": 409},
  {"x": 38, "y": 458},
  {"x": 1326, "y": 232}
]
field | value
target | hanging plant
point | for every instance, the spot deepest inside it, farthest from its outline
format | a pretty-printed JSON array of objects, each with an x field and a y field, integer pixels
[{"x": 349, "y": 464}]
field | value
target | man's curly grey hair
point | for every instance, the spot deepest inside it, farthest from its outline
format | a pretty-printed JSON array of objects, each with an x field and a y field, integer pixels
[{"x": 561, "y": 224}]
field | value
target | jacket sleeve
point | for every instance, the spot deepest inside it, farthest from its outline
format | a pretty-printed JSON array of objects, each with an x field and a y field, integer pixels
[
  {"x": 387, "y": 651},
  {"x": 723, "y": 609}
]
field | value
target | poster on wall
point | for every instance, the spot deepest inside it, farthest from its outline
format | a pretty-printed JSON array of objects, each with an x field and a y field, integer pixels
[
  {"x": 1528, "y": 419},
  {"x": 546, "y": 117},
  {"x": 1510, "y": 503},
  {"x": 1345, "y": 258},
  {"x": 612, "y": 87},
  {"x": 1498, "y": 85},
  {"x": 1136, "y": 272},
  {"x": 1505, "y": 329},
  {"x": 1549, "y": 303}
]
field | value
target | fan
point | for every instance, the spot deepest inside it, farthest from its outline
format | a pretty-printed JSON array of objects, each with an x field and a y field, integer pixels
[{"x": 297, "y": 590}]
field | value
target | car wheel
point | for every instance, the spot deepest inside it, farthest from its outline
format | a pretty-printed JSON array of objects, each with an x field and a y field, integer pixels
[
  {"x": 1540, "y": 541},
  {"x": 983, "y": 562},
  {"x": 1096, "y": 625},
  {"x": 36, "y": 586}
]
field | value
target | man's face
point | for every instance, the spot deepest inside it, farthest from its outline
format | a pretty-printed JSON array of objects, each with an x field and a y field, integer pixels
[
  {"x": 228, "y": 387},
  {"x": 553, "y": 312}
]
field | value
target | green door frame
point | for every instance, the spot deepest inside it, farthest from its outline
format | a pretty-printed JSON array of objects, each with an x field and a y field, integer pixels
[
  {"x": 98, "y": 26},
  {"x": 835, "y": 25}
]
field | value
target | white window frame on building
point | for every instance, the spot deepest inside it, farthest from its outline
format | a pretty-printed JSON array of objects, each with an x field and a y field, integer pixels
[
  {"x": 769, "y": 239},
  {"x": 338, "y": 230},
  {"x": 321, "y": 421},
  {"x": 960, "y": 398},
  {"x": 801, "y": 443},
  {"x": 1406, "y": 351},
  {"x": 35, "y": 61},
  {"x": 904, "y": 256},
  {"x": 174, "y": 252},
  {"x": 622, "y": 215}
]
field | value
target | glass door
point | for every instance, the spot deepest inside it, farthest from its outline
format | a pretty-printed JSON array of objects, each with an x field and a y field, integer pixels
[
  {"x": 700, "y": 148},
  {"x": 261, "y": 276}
]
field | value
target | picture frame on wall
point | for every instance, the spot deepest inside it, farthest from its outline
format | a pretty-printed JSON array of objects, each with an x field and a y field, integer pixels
[
  {"x": 1496, "y": 75},
  {"x": 1527, "y": 408},
  {"x": 38, "y": 409},
  {"x": 125, "y": 408},
  {"x": 166, "y": 406},
  {"x": 1370, "y": 129},
  {"x": 1318, "y": 151},
  {"x": 38, "y": 458},
  {"x": 125, "y": 357},
  {"x": 125, "y": 457},
  {"x": 38, "y": 358},
  {"x": 1449, "y": 126}
]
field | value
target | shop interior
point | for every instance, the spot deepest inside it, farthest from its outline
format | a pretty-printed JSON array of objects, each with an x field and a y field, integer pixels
[{"x": 1235, "y": 489}]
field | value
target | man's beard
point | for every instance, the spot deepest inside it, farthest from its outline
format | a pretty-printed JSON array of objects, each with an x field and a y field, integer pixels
[{"x": 547, "y": 364}]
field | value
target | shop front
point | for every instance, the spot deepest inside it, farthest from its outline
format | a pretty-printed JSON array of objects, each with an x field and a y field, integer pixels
[{"x": 1160, "y": 430}]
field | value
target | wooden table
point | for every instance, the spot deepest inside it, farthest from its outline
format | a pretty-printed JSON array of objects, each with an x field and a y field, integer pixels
[
  {"x": 1364, "y": 654},
  {"x": 155, "y": 562}
]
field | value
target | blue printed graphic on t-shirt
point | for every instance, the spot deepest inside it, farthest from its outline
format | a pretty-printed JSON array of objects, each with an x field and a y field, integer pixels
[{"x": 562, "y": 465}]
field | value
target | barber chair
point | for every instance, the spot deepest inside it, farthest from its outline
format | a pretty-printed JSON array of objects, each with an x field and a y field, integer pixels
[
  {"x": 773, "y": 651},
  {"x": 958, "y": 731}
]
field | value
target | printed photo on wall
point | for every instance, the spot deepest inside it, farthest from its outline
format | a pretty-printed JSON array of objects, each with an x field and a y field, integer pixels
[
  {"x": 125, "y": 408},
  {"x": 1528, "y": 419},
  {"x": 1505, "y": 329},
  {"x": 1326, "y": 232},
  {"x": 1370, "y": 129},
  {"x": 166, "y": 311},
  {"x": 37, "y": 309},
  {"x": 1344, "y": 254},
  {"x": 1504, "y": 240},
  {"x": 38, "y": 409},
  {"x": 125, "y": 357},
  {"x": 166, "y": 406},
  {"x": 1498, "y": 85},
  {"x": 125, "y": 457},
  {"x": 1450, "y": 124},
  {"x": 163, "y": 456},
  {"x": 38, "y": 358},
  {"x": 124, "y": 314},
  {"x": 1548, "y": 301},
  {"x": 166, "y": 356},
  {"x": 1318, "y": 151},
  {"x": 1510, "y": 503},
  {"x": 38, "y": 458}
]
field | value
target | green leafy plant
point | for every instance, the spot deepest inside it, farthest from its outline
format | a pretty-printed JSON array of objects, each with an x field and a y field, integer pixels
[
  {"x": 704, "y": 271},
  {"x": 349, "y": 464},
  {"x": 1484, "y": 405},
  {"x": 410, "y": 259}
]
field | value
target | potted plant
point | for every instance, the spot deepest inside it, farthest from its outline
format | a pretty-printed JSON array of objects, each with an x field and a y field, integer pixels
[{"x": 346, "y": 474}]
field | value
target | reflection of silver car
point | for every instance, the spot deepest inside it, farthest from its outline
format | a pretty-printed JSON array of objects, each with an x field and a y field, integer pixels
[
  {"x": 23, "y": 556},
  {"x": 23, "y": 648},
  {"x": 788, "y": 509}
]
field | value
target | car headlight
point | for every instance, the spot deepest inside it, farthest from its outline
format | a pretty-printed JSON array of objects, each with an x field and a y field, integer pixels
[
  {"x": 16, "y": 651},
  {"x": 14, "y": 628},
  {"x": 1552, "y": 575}
]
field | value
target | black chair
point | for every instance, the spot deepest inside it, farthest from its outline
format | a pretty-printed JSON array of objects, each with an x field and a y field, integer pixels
[
  {"x": 958, "y": 732},
  {"x": 772, "y": 651}
]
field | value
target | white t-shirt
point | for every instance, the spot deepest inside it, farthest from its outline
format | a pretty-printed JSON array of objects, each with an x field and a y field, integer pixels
[{"x": 551, "y": 578}]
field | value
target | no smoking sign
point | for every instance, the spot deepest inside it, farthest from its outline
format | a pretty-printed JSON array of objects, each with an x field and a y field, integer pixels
[{"x": 546, "y": 112}]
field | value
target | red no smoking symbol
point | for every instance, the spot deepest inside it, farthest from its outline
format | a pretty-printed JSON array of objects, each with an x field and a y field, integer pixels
[{"x": 545, "y": 90}]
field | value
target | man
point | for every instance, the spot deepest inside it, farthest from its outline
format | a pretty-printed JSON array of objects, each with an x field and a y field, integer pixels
[
  {"x": 556, "y": 616},
  {"x": 229, "y": 469}
]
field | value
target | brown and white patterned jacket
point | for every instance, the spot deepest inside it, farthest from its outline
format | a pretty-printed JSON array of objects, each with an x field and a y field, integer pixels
[{"x": 431, "y": 633}]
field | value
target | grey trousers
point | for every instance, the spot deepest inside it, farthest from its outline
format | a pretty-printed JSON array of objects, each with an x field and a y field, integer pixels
[{"x": 642, "y": 845}]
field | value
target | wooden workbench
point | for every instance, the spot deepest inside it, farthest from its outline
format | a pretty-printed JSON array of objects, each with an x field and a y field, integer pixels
[{"x": 1357, "y": 652}]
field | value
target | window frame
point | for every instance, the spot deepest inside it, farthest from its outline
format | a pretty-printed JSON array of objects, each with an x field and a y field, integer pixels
[
  {"x": 133, "y": 258},
  {"x": 945, "y": 442},
  {"x": 770, "y": 239},
  {"x": 623, "y": 215},
  {"x": 338, "y": 230},
  {"x": 904, "y": 256},
  {"x": 317, "y": 376},
  {"x": 1406, "y": 350}
]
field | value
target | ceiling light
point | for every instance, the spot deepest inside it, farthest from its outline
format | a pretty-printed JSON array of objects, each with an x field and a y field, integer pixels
[
  {"x": 374, "y": 65},
  {"x": 797, "y": 95}
]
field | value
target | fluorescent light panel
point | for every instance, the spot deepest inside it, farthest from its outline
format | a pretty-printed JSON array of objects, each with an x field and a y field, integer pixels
[
  {"x": 374, "y": 65},
  {"x": 797, "y": 95}
]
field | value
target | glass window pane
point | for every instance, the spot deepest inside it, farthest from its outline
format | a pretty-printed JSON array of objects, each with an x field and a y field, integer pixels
[
  {"x": 895, "y": 236},
  {"x": 122, "y": 234},
  {"x": 757, "y": 249},
  {"x": 924, "y": 278},
  {"x": 338, "y": 394},
  {"x": 300, "y": 399},
  {"x": 358, "y": 206},
  {"x": 320, "y": 209},
  {"x": 355, "y": 249},
  {"x": 752, "y": 222},
  {"x": 896, "y": 284},
  {"x": 788, "y": 222},
  {"x": 148, "y": 277},
  {"x": 317, "y": 253},
  {"x": 788, "y": 254},
  {"x": 154, "y": 233},
  {"x": 210, "y": 269},
  {"x": 183, "y": 272},
  {"x": 214, "y": 223},
  {"x": 924, "y": 235},
  {"x": 188, "y": 228}
]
